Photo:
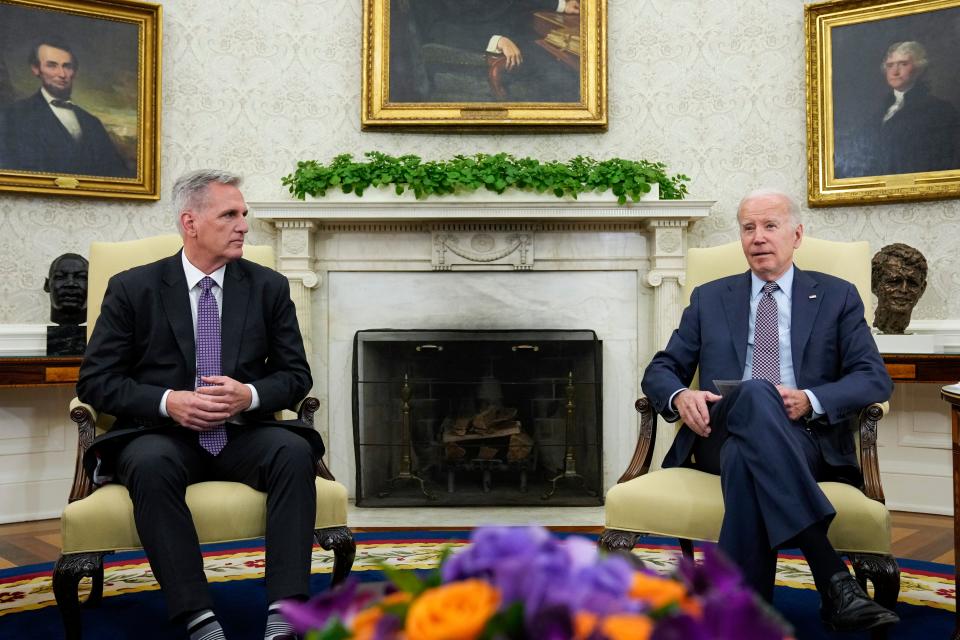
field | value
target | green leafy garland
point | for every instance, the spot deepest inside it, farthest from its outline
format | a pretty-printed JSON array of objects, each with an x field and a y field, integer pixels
[{"x": 497, "y": 173}]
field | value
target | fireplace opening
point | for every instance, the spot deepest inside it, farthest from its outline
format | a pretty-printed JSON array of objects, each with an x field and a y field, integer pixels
[{"x": 463, "y": 418}]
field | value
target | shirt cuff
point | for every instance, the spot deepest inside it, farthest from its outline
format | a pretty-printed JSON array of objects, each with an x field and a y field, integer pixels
[
  {"x": 254, "y": 398},
  {"x": 675, "y": 415},
  {"x": 561, "y": 5},
  {"x": 494, "y": 45},
  {"x": 163, "y": 403},
  {"x": 816, "y": 407}
]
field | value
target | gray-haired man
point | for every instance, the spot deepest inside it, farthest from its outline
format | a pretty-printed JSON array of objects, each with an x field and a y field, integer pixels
[{"x": 193, "y": 354}]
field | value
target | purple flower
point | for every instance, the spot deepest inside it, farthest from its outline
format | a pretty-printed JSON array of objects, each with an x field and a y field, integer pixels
[
  {"x": 730, "y": 609},
  {"x": 714, "y": 573},
  {"x": 602, "y": 587},
  {"x": 388, "y": 626},
  {"x": 342, "y": 602},
  {"x": 681, "y": 627},
  {"x": 738, "y": 615},
  {"x": 492, "y": 546}
]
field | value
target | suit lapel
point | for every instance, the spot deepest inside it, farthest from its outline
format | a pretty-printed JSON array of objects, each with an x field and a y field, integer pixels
[
  {"x": 236, "y": 294},
  {"x": 736, "y": 305},
  {"x": 804, "y": 308},
  {"x": 175, "y": 299}
]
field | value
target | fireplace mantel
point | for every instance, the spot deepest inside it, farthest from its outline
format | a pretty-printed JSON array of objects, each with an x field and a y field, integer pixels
[
  {"x": 663, "y": 222},
  {"x": 340, "y": 252}
]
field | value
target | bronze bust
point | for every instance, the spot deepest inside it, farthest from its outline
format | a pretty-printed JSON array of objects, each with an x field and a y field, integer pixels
[
  {"x": 67, "y": 285},
  {"x": 898, "y": 278}
]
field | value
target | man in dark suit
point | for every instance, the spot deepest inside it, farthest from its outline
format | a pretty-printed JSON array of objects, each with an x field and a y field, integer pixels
[
  {"x": 915, "y": 130},
  {"x": 504, "y": 27},
  {"x": 49, "y": 133},
  {"x": 193, "y": 354},
  {"x": 799, "y": 342}
]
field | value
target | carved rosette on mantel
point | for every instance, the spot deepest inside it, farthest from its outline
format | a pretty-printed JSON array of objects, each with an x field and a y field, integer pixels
[{"x": 352, "y": 241}]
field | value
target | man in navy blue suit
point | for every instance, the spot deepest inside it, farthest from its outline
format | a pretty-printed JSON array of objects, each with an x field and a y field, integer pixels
[
  {"x": 48, "y": 132},
  {"x": 800, "y": 344}
]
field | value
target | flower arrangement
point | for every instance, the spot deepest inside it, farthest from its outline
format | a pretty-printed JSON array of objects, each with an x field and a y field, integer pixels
[{"x": 522, "y": 582}]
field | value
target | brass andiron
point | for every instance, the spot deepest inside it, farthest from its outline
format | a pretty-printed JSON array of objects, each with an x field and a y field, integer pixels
[
  {"x": 570, "y": 457},
  {"x": 406, "y": 473}
]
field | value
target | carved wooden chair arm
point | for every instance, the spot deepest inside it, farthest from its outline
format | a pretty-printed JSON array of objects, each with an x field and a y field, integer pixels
[
  {"x": 85, "y": 417},
  {"x": 309, "y": 406},
  {"x": 869, "y": 463},
  {"x": 643, "y": 453}
]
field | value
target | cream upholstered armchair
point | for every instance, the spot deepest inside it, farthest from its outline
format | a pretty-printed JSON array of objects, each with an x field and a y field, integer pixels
[
  {"x": 99, "y": 520},
  {"x": 688, "y": 504}
]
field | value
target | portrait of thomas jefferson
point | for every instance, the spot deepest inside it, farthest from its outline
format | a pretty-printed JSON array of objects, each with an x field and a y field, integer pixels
[
  {"x": 913, "y": 129},
  {"x": 896, "y": 96},
  {"x": 68, "y": 94}
]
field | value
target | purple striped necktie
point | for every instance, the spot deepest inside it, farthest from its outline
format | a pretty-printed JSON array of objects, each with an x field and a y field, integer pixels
[
  {"x": 766, "y": 337},
  {"x": 208, "y": 356}
]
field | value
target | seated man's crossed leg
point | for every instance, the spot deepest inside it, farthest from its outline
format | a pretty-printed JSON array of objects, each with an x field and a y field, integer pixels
[{"x": 769, "y": 467}]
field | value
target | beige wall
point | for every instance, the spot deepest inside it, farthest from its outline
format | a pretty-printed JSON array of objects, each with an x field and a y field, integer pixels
[{"x": 714, "y": 89}]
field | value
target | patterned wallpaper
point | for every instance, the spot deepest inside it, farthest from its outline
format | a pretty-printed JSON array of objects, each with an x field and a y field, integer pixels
[{"x": 714, "y": 89}]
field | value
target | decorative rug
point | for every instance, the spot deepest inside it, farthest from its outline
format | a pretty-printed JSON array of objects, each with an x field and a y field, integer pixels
[{"x": 134, "y": 608}]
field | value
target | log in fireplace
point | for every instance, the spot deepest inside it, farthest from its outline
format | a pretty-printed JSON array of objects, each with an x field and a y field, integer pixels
[{"x": 462, "y": 418}]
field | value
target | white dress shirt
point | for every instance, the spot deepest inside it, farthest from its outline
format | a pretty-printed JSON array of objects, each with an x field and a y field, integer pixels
[
  {"x": 66, "y": 116},
  {"x": 194, "y": 276}
]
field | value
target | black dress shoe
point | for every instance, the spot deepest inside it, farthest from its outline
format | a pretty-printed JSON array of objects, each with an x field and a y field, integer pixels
[{"x": 845, "y": 606}]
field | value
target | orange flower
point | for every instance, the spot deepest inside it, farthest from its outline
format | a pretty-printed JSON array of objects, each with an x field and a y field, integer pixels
[
  {"x": 659, "y": 592},
  {"x": 584, "y": 622},
  {"x": 627, "y": 626},
  {"x": 365, "y": 622},
  {"x": 455, "y": 611}
]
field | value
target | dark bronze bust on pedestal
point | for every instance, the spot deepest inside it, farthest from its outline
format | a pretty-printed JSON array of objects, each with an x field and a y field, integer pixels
[
  {"x": 899, "y": 278},
  {"x": 67, "y": 285}
]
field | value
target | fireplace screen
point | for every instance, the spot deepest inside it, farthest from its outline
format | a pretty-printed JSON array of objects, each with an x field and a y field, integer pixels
[{"x": 466, "y": 418}]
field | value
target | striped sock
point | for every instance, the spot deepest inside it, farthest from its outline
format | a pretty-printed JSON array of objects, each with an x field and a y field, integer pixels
[
  {"x": 277, "y": 626},
  {"x": 204, "y": 626}
]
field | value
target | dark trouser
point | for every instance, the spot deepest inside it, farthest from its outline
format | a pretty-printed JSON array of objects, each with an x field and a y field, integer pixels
[
  {"x": 156, "y": 469},
  {"x": 769, "y": 466}
]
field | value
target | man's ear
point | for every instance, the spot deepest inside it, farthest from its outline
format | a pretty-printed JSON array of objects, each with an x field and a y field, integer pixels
[
  {"x": 46, "y": 285},
  {"x": 188, "y": 222}
]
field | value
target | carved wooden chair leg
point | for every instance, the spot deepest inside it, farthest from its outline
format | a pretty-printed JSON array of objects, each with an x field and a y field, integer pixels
[
  {"x": 686, "y": 546},
  {"x": 340, "y": 541},
  {"x": 67, "y": 573},
  {"x": 880, "y": 570},
  {"x": 618, "y": 540}
]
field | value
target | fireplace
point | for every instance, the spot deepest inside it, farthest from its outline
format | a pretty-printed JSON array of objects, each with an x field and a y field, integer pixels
[
  {"x": 356, "y": 263},
  {"x": 464, "y": 418}
]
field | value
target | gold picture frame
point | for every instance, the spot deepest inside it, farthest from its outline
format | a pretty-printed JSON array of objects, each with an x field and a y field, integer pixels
[
  {"x": 883, "y": 101},
  {"x": 80, "y": 98},
  {"x": 444, "y": 65}
]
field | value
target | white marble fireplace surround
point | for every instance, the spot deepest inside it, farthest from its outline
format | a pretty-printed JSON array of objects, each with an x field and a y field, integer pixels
[{"x": 546, "y": 264}]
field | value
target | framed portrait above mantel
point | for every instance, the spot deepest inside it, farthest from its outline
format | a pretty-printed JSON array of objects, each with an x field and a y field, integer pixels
[
  {"x": 80, "y": 98},
  {"x": 883, "y": 101},
  {"x": 461, "y": 65}
]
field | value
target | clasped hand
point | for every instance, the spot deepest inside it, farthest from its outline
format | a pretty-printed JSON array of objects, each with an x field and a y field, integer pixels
[
  {"x": 693, "y": 410},
  {"x": 210, "y": 406}
]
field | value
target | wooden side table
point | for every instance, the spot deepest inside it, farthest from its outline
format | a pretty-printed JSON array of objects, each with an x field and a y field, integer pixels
[
  {"x": 940, "y": 368},
  {"x": 39, "y": 371},
  {"x": 951, "y": 394}
]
